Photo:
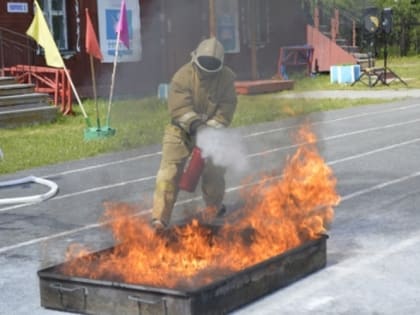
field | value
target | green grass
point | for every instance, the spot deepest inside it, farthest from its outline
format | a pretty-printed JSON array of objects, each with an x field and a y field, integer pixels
[
  {"x": 264, "y": 108},
  {"x": 141, "y": 122},
  {"x": 407, "y": 68},
  {"x": 138, "y": 122}
]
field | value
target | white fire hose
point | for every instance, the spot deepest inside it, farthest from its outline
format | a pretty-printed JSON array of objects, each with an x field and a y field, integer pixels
[{"x": 29, "y": 199}]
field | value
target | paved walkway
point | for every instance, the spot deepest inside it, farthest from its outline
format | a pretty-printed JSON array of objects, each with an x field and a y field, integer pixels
[{"x": 353, "y": 94}]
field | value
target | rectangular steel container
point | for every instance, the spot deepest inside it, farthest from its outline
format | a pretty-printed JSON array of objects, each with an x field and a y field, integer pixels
[{"x": 87, "y": 296}]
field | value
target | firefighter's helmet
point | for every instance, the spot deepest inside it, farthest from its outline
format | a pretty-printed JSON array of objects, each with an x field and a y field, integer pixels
[{"x": 209, "y": 55}]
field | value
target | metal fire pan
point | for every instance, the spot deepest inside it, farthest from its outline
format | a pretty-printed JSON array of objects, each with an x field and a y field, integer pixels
[{"x": 99, "y": 297}]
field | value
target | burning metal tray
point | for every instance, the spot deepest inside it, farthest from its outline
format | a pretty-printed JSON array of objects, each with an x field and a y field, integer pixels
[{"x": 87, "y": 296}]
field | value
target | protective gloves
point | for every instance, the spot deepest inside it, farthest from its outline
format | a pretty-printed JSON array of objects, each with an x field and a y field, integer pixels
[{"x": 197, "y": 126}]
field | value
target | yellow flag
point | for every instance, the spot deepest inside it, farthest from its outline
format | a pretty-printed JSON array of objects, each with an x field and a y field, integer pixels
[{"x": 40, "y": 32}]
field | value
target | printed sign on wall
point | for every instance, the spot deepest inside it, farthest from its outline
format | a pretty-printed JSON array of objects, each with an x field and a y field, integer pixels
[
  {"x": 17, "y": 7},
  {"x": 108, "y": 15}
]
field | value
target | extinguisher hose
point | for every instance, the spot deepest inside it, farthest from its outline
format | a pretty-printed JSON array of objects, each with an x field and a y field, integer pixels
[{"x": 29, "y": 199}]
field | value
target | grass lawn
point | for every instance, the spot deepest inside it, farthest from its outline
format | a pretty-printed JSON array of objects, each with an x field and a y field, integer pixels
[
  {"x": 407, "y": 68},
  {"x": 141, "y": 121}
]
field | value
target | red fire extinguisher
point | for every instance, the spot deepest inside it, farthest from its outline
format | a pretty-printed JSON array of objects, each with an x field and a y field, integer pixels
[{"x": 192, "y": 172}]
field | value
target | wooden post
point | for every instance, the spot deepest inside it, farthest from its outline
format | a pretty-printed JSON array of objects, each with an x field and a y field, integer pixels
[
  {"x": 337, "y": 22},
  {"x": 95, "y": 94},
  {"x": 1, "y": 53},
  {"x": 354, "y": 33},
  {"x": 164, "y": 64},
  {"x": 212, "y": 18},
  {"x": 253, "y": 29},
  {"x": 316, "y": 17}
]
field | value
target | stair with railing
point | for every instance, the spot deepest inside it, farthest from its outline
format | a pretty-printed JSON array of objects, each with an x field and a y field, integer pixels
[
  {"x": 29, "y": 90},
  {"x": 334, "y": 38},
  {"x": 21, "y": 105}
]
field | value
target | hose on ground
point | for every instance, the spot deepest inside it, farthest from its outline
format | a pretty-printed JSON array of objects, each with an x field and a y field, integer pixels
[{"x": 29, "y": 199}]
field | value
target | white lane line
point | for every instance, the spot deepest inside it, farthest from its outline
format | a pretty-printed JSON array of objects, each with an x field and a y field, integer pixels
[
  {"x": 105, "y": 187},
  {"x": 380, "y": 186},
  {"x": 348, "y": 267},
  {"x": 92, "y": 167},
  {"x": 231, "y": 189},
  {"x": 263, "y": 153},
  {"x": 228, "y": 190},
  {"x": 79, "y": 229},
  {"x": 143, "y": 179},
  {"x": 50, "y": 237},
  {"x": 83, "y": 192},
  {"x": 321, "y": 122},
  {"x": 343, "y": 135},
  {"x": 255, "y": 134},
  {"x": 386, "y": 148}
]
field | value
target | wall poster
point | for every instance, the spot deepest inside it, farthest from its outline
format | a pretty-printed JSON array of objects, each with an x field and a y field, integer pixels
[
  {"x": 227, "y": 24},
  {"x": 108, "y": 15}
]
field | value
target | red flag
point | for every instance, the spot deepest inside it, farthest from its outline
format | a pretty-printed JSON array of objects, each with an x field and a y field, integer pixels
[{"x": 91, "y": 41}]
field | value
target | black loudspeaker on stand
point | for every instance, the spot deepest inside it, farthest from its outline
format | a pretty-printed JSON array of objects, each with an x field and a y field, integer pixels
[{"x": 373, "y": 26}]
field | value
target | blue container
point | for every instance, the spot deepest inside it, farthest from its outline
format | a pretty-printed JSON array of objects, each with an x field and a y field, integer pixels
[
  {"x": 344, "y": 74},
  {"x": 162, "y": 92}
]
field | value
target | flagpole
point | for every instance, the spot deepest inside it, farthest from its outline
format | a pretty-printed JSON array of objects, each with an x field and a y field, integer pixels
[
  {"x": 111, "y": 92},
  {"x": 95, "y": 95},
  {"x": 53, "y": 57},
  {"x": 77, "y": 96}
]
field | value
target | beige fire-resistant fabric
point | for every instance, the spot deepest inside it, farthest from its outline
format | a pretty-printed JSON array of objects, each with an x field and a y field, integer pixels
[
  {"x": 176, "y": 148},
  {"x": 213, "y": 185},
  {"x": 193, "y": 95},
  {"x": 199, "y": 95}
]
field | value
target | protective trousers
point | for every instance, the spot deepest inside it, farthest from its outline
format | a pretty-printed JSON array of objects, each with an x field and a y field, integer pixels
[{"x": 176, "y": 148}]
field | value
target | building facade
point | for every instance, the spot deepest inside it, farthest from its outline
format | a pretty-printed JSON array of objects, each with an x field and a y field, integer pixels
[{"x": 162, "y": 35}]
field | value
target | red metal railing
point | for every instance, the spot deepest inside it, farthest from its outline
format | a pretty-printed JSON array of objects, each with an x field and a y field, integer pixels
[
  {"x": 47, "y": 80},
  {"x": 17, "y": 58},
  {"x": 295, "y": 57}
]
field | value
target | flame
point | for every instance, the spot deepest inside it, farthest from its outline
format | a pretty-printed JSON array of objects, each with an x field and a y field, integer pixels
[{"x": 280, "y": 213}]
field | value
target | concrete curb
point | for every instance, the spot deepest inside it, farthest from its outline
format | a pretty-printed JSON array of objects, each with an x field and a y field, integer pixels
[{"x": 379, "y": 94}]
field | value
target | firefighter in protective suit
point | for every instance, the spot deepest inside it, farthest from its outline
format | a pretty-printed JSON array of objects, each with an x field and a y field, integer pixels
[{"x": 201, "y": 95}]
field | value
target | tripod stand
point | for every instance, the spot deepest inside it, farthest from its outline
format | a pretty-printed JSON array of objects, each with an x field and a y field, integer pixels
[
  {"x": 376, "y": 75},
  {"x": 385, "y": 72},
  {"x": 375, "y": 25},
  {"x": 368, "y": 72}
]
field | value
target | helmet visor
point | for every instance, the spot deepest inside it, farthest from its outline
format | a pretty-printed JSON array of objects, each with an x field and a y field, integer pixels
[{"x": 209, "y": 63}]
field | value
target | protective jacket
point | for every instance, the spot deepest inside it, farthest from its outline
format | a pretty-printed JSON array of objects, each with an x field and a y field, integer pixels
[
  {"x": 197, "y": 95},
  {"x": 194, "y": 96}
]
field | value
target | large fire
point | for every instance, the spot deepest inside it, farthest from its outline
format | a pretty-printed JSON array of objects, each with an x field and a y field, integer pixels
[{"x": 280, "y": 213}]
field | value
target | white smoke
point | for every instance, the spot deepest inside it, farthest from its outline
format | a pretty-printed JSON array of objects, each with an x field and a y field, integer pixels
[{"x": 225, "y": 147}]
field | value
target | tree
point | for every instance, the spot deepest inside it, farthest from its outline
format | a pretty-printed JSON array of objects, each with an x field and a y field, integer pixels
[{"x": 406, "y": 16}]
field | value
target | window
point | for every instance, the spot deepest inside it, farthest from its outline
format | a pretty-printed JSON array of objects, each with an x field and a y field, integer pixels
[{"x": 56, "y": 17}]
